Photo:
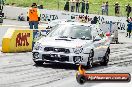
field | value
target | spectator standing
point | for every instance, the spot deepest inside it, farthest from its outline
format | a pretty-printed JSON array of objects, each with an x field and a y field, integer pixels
[
  {"x": 129, "y": 27},
  {"x": 2, "y": 2},
  {"x": 106, "y": 8},
  {"x": 72, "y": 5},
  {"x": 128, "y": 10},
  {"x": 95, "y": 20},
  {"x": 87, "y": 7},
  {"x": 66, "y": 8},
  {"x": 103, "y": 8},
  {"x": 33, "y": 16},
  {"x": 83, "y": 6},
  {"x": 117, "y": 9},
  {"x": 77, "y": 5},
  {"x": 40, "y": 7}
]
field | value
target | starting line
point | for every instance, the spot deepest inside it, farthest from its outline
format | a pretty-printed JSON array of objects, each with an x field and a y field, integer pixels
[{"x": 18, "y": 26}]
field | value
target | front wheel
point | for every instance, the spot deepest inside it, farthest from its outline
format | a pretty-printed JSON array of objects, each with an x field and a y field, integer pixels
[
  {"x": 105, "y": 59},
  {"x": 39, "y": 63},
  {"x": 90, "y": 59},
  {"x": 80, "y": 79}
]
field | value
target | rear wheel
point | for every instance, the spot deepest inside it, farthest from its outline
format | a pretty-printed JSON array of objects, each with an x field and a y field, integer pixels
[
  {"x": 90, "y": 59},
  {"x": 105, "y": 59},
  {"x": 39, "y": 63}
]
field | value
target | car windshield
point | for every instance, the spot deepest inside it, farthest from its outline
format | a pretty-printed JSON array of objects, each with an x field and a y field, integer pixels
[{"x": 72, "y": 31}]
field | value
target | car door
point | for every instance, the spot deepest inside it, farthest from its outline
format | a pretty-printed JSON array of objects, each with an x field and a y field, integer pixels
[
  {"x": 96, "y": 43},
  {"x": 102, "y": 44},
  {"x": 97, "y": 47},
  {"x": 104, "y": 47}
]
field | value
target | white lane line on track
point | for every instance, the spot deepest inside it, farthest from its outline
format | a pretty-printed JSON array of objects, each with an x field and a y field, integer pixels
[
  {"x": 12, "y": 26},
  {"x": 121, "y": 61},
  {"x": 17, "y": 26}
]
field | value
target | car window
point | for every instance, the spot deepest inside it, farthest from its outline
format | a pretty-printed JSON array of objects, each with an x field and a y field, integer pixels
[
  {"x": 81, "y": 32},
  {"x": 75, "y": 31}
]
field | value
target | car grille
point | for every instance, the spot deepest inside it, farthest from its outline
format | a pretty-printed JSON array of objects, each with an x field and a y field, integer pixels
[
  {"x": 54, "y": 57},
  {"x": 57, "y": 49}
]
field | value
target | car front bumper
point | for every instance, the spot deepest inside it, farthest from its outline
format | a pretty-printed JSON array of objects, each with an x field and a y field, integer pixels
[{"x": 61, "y": 57}]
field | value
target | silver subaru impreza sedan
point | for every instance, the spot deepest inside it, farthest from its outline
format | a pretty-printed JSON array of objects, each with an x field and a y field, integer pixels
[{"x": 74, "y": 43}]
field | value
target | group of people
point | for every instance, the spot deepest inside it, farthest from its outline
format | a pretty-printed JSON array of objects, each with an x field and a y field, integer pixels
[
  {"x": 117, "y": 9},
  {"x": 33, "y": 17},
  {"x": 104, "y": 8},
  {"x": 74, "y": 6}
]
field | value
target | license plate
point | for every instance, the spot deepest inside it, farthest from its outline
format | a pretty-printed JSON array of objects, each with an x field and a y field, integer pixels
[
  {"x": 52, "y": 55},
  {"x": 100, "y": 58},
  {"x": 55, "y": 55}
]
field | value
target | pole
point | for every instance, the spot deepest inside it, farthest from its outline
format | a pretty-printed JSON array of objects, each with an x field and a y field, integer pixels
[{"x": 58, "y": 4}]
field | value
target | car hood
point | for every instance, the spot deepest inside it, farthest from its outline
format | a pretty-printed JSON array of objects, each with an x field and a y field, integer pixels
[{"x": 63, "y": 42}]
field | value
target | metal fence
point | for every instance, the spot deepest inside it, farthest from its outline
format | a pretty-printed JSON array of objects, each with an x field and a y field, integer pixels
[{"x": 94, "y": 8}]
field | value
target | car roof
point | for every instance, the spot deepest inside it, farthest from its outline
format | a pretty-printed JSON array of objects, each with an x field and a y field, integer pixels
[{"x": 77, "y": 23}]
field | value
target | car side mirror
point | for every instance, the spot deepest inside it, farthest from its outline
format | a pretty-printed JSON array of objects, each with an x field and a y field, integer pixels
[
  {"x": 108, "y": 34},
  {"x": 44, "y": 34}
]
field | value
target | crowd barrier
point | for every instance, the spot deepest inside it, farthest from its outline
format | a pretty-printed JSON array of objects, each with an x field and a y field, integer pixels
[
  {"x": 49, "y": 15},
  {"x": 21, "y": 40}
]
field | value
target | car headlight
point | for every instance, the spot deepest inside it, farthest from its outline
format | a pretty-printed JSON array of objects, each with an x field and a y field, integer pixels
[
  {"x": 37, "y": 46},
  {"x": 78, "y": 50},
  {"x": 36, "y": 55}
]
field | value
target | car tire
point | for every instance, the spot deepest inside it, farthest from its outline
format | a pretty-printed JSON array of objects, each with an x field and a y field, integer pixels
[
  {"x": 90, "y": 59},
  {"x": 105, "y": 59},
  {"x": 80, "y": 79},
  {"x": 117, "y": 42},
  {"x": 39, "y": 63},
  {"x": 108, "y": 50}
]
